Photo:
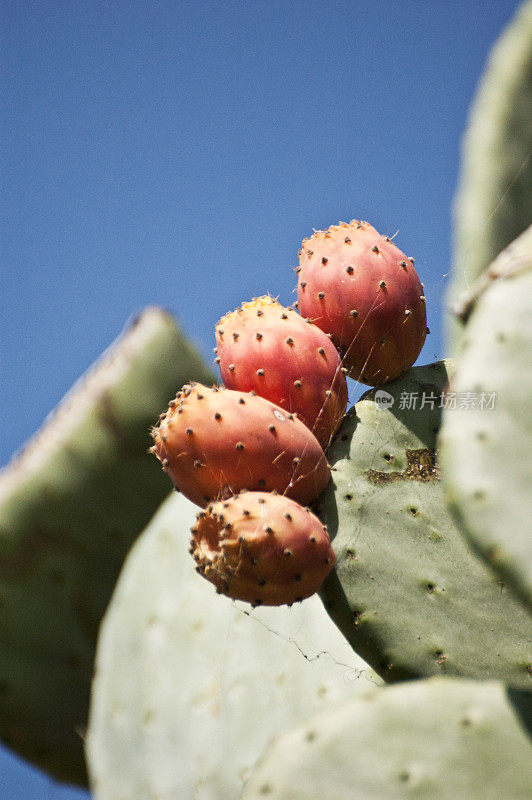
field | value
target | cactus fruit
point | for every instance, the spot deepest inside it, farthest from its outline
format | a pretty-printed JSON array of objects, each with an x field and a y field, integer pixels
[
  {"x": 189, "y": 686},
  {"x": 406, "y": 591},
  {"x": 271, "y": 350},
  {"x": 214, "y": 442},
  {"x": 360, "y": 288},
  {"x": 486, "y": 442},
  {"x": 431, "y": 740},
  {"x": 71, "y": 503},
  {"x": 262, "y": 548}
]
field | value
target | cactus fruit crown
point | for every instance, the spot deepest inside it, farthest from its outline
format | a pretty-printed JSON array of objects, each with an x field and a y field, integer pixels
[
  {"x": 257, "y": 304},
  {"x": 262, "y": 548}
]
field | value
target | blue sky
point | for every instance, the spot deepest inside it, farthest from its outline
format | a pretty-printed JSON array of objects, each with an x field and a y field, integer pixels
[{"x": 177, "y": 152}]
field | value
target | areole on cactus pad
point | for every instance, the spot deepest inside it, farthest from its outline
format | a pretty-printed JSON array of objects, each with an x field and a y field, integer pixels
[
  {"x": 262, "y": 548},
  {"x": 270, "y": 349},
  {"x": 214, "y": 442},
  {"x": 359, "y": 287}
]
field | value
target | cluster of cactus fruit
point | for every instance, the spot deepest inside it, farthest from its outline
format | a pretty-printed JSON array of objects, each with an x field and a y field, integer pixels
[
  {"x": 418, "y": 527},
  {"x": 283, "y": 396}
]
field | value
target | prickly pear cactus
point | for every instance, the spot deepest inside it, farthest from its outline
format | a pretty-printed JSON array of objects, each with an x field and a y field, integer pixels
[
  {"x": 358, "y": 287},
  {"x": 267, "y": 348},
  {"x": 189, "y": 687},
  {"x": 431, "y": 740},
  {"x": 494, "y": 203},
  {"x": 262, "y": 548},
  {"x": 486, "y": 447},
  {"x": 213, "y": 442},
  {"x": 70, "y": 505},
  {"x": 406, "y": 591}
]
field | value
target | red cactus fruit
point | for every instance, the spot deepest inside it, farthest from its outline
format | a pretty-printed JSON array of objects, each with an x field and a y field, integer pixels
[
  {"x": 262, "y": 548},
  {"x": 213, "y": 442},
  {"x": 360, "y": 288},
  {"x": 270, "y": 349}
]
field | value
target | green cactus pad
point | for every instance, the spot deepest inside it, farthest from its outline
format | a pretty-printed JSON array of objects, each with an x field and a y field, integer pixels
[
  {"x": 432, "y": 740},
  {"x": 486, "y": 451},
  {"x": 70, "y": 505},
  {"x": 190, "y": 686},
  {"x": 494, "y": 202},
  {"x": 406, "y": 591}
]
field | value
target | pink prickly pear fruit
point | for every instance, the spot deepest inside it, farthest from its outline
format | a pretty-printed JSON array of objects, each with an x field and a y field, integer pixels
[
  {"x": 213, "y": 442},
  {"x": 262, "y": 548},
  {"x": 360, "y": 288},
  {"x": 267, "y": 348}
]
